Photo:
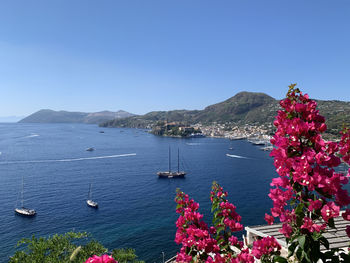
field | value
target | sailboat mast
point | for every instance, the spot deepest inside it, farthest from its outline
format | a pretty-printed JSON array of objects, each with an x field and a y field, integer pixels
[
  {"x": 22, "y": 192},
  {"x": 178, "y": 160},
  {"x": 89, "y": 194},
  {"x": 169, "y": 160}
]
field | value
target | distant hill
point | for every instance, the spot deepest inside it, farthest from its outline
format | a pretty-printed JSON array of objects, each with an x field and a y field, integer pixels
[
  {"x": 247, "y": 107},
  {"x": 243, "y": 108},
  {"x": 51, "y": 116}
]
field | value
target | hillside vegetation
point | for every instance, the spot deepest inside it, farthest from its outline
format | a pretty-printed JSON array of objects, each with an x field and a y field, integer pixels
[{"x": 243, "y": 108}]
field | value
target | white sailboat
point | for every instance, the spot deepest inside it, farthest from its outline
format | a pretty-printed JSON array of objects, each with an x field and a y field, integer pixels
[
  {"x": 89, "y": 201},
  {"x": 22, "y": 210}
]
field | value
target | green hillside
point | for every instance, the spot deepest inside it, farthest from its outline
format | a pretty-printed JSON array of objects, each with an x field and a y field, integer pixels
[{"x": 243, "y": 108}]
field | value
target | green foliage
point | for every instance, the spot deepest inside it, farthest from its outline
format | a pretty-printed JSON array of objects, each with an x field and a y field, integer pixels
[
  {"x": 125, "y": 255},
  {"x": 71, "y": 247}
]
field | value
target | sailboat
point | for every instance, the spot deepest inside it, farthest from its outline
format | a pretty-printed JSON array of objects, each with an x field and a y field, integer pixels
[
  {"x": 230, "y": 148},
  {"x": 173, "y": 174},
  {"x": 89, "y": 200},
  {"x": 22, "y": 210}
]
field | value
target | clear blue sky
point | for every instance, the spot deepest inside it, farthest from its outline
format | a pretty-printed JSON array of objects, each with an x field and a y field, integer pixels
[{"x": 149, "y": 55}]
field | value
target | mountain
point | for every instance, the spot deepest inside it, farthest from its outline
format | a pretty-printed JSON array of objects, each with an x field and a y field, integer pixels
[
  {"x": 51, "y": 116},
  {"x": 243, "y": 108},
  {"x": 103, "y": 116}
]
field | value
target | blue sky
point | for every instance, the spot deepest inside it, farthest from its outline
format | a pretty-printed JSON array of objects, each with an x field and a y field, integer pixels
[{"x": 149, "y": 55}]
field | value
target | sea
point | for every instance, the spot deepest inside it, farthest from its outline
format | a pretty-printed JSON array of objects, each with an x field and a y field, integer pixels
[{"x": 136, "y": 208}]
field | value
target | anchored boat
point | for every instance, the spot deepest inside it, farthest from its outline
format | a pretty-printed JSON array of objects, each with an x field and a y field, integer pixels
[
  {"x": 173, "y": 174},
  {"x": 22, "y": 210},
  {"x": 89, "y": 201}
]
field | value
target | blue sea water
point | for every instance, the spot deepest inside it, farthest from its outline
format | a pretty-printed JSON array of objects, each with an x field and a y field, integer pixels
[{"x": 136, "y": 209}]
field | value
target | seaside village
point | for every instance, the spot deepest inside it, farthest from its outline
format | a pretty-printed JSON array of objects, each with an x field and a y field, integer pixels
[{"x": 256, "y": 134}]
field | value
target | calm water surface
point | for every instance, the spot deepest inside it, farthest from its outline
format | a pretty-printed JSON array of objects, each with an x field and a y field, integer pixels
[{"x": 136, "y": 209}]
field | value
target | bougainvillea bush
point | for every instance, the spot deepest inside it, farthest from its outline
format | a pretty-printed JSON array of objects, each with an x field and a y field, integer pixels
[{"x": 307, "y": 195}]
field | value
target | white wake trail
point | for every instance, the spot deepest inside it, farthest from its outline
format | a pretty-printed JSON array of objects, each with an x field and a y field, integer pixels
[
  {"x": 31, "y": 136},
  {"x": 236, "y": 156},
  {"x": 71, "y": 159}
]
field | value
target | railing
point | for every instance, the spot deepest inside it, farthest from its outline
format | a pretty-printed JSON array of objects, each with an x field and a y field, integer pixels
[{"x": 171, "y": 260}]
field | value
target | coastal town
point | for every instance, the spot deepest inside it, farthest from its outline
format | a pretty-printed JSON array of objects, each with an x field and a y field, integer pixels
[{"x": 230, "y": 131}]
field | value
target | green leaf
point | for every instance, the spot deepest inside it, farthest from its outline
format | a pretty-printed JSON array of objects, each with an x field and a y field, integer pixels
[
  {"x": 324, "y": 241},
  {"x": 291, "y": 248},
  {"x": 280, "y": 259},
  {"x": 301, "y": 241},
  {"x": 219, "y": 229},
  {"x": 75, "y": 253},
  {"x": 299, "y": 254},
  {"x": 331, "y": 223},
  {"x": 346, "y": 257},
  {"x": 299, "y": 209}
]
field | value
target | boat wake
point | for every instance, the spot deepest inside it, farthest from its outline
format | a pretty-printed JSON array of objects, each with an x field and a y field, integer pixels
[
  {"x": 71, "y": 159},
  {"x": 32, "y": 135},
  {"x": 236, "y": 156},
  {"x": 193, "y": 143}
]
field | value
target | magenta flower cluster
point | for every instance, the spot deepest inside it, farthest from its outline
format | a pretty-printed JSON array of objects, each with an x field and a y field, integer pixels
[
  {"x": 101, "y": 259},
  {"x": 217, "y": 243},
  {"x": 266, "y": 246},
  {"x": 305, "y": 163}
]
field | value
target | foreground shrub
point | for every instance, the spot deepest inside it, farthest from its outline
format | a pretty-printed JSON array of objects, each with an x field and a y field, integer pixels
[{"x": 70, "y": 247}]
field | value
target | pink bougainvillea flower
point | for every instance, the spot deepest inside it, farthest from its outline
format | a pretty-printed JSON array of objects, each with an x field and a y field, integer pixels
[
  {"x": 346, "y": 215},
  {"x": 314, "y": 205},
  {"x": 101, "y": 259},
  {"x": 245, "y": 256},
  {"x": 311, "y": 226},
  {"x": 269, "y": 219},
  {"x": 286, "y": 230},
  {"x": 265, "y": 246},
  {"x": 330, "y": 210}
]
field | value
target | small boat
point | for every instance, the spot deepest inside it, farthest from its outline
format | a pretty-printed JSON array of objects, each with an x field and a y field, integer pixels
[
  {"x": 258, "y": 142},
  {"x": 267, "y": 148},
  {"x": 22, "y": 210},
  {"x": 89, "y": 201},
  {"x": 196, "y": 135},
  {"x": 92, "y": 203},
  {"x": 173, "y": 174},
  {"x": 102, "y": 132},
  {"x": 235, "y": 138},
  {"x": 231, "y": 147},
  {"x": 90, "y": 149},
  {"x": 25, "y": 211}
]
